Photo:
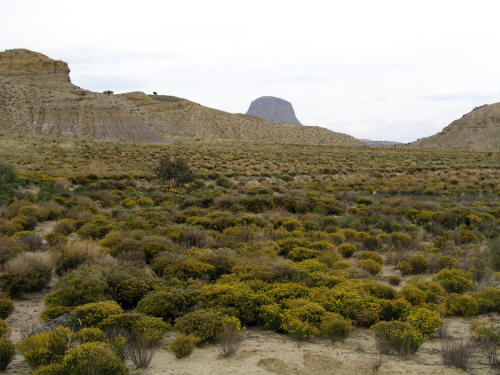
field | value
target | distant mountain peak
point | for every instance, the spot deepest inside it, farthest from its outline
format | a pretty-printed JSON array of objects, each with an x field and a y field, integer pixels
[{"x": 273, "y": 109}]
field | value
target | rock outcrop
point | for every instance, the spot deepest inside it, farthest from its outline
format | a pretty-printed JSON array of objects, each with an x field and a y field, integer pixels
[
  {"x": 273, "y": 109},
  {"x": 478, "y": 130},
  {"x": 37, "y": 96}
]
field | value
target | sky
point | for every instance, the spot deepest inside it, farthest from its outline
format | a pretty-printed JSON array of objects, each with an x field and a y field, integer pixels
[{"x": 381, "y": 70}]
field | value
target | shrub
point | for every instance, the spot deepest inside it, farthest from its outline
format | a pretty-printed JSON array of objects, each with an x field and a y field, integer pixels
[
  {"x": 96, "y": 229},
  {"x": 28, "y": 272},
  {"x": 418, "y": 263},
  {"x": 299, "y": 254},
  {"x": 8, "y": 181},
  {"x": 370, "y": 266},
  {"x": 52, "y": 369},
  {"x": 53, "y": 312},
  {"x": 128, "y": 292},
  {"x": 413, "y": 294},
  {"x": 454, "y": 280},
  {"x": 446, "y": 261},
  {"x": 175, "y": 172},
  {"x": 404, "y": 267},
  {"x": 397, "y": 337},
  {"x": 147, "y": 328},
  {"x": 488, "y": 300},
  {"x": 394, "y": 280},
  {"x": 93, "y": 358},
  {"x": 395, "y": 309},
  {"x": 6, "y": 307},
  {"x": 298, "y": 328},
  {"x": 90, "y": 335},
  {"x": 167, "y": 304},
  {"x": 456, "y": 304},
  {"x": 335, "y": 326},
  {"x": 76, "y": 254},
  {"x": 75, "y": 290},
  {"x": 425, "y": 320},
  {"x": 347, "y": 249},
  {"x": 45, "y": 348},
  {"x": 65, "y": 226},
  {"x": 152, "y": 248},
  {"x": 456, "y": 352},
  {"x": 204, "y": 324},
  {"x": 372, "y": 255},
  {"x": 4, "y": 328},
  {"x": 183, "y": 345},
  {"x": 91, "y": 314},
  {"x": 7, "y": 351}
]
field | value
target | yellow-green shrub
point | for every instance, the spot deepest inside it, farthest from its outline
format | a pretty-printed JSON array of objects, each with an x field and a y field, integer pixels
[
  {"x": 461, "y": 305},
  {"x": 205, "y": 324},
  {"x": 397, "y": 337},
  {"x": 454, "y": 280},
  {"x": 45, "y": 348},
  {"x": 6, "y": 307},
  {"x": 7, "y": 351},
  {"x": 90, "y": 335},
  {"x": 335, "y": 326},
  {"x": 183, "y": 345},
  {"x": 370, "y": 266},
  {"x": 93, "y": 358},
  {"x": 347, "y": 249},
  {"x": 91, "y": 314},
  {"x": 425, "y": 320}
]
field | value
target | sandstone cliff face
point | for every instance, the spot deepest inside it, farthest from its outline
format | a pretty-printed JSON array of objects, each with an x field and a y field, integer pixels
[
  {"x": 36, "y": 96},
  {"x": 478, "y": 130},
  {"x": 273, "y": 109}
]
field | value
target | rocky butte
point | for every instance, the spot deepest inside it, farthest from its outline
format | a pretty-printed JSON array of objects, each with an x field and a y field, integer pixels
[{"x": 273, "y": 109}]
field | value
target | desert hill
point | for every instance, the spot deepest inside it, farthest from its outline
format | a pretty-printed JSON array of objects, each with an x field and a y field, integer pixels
[
  {"x": 478, "y": 130},
  {"x": 273, "y": 109},
  {"x": 37, "y": 96}
]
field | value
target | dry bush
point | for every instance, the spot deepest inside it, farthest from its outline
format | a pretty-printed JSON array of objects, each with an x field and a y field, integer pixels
[
  {"x": 456, "y": 352},
  {"x": 25, "y": 261},
  {"x": 76, "y": 254},
  {"x": 140, "y": 350},
  {"x": 229, "y": 340}
]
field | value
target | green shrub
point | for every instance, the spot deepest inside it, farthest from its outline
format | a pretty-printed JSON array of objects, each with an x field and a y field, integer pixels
[
  {"x": 174, "y": 171},
  {"x": 335, "y": 326},
  {"x": 45, "y": 348},
  {"x": 148, "y": 328},
  {"x": 424, "y": 320},
  {"x": 488, "y": 300},
  {"x": 454, "y": 280},
  {"x": 8, "y": 181},
  {"x": 65, "y": 226},
  {"x": 7, "y": 351},
  {"x": 167, "y": 304},
  {"x": 152, "y": 248},
  {"x": 90, "y": 335},
  {"x": 91, "y": 314},
  {"x": 207, "y": 325},
  {"x": 299, "y": 254},
  {"x": 53, "y": 312},
  {"x": 347, "y": 250},
  {"x": 457, "y": 304},
  {"x": 128, "y": 292},
  {"x": 183, "y": 345},
  {"x": 28, "y": 272},
  {"x": 93, "y": 358},
  {"x": 397, "y": 337},
  {"x": 394, "y": 280},
  {"x": 4, "y": 328},
  {"x": 76, "y": 289},
  {"x": 404, "y": 267},
  {"x": 370, "y": 266},
  {"x": 6, "y": 307},
  {"x": 446, "y": 261},
  {"x": 372, "y": 255},
  {"x": 395, "y": 309},
  {"x": 413, "y": 295},
  {"x": 52, "y": 369},
  {"x": 418, "y": 263}
]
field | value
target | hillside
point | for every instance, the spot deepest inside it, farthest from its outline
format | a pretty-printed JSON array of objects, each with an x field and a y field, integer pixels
[
  {"x": 478, "y": 130},
  {"x": 37, "y": 96}
]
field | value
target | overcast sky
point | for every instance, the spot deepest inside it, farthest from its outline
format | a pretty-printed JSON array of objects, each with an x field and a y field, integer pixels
[{"x": 392, "y": 70}]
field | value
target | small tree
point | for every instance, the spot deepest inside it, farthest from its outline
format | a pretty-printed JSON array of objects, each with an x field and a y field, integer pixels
[
  {"x": 174, "y": 171},
  {"x": 108, "y": 92}
]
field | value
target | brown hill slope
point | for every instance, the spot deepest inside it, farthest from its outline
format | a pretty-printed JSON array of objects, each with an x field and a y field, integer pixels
[
  {"x": 184, "y": 118},
  {"x": 478, "y": 130},
  {"x": 37, "y": 96}
]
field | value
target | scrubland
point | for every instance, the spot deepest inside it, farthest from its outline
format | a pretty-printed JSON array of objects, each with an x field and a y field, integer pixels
[{"x": 290, "y": 259}]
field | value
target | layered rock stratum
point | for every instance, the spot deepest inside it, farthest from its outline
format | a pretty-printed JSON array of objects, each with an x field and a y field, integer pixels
[
  {"x": 273, "y": 109},
  {"x": 478, "y": 130},
  {"x": 37, "y": 96}
]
